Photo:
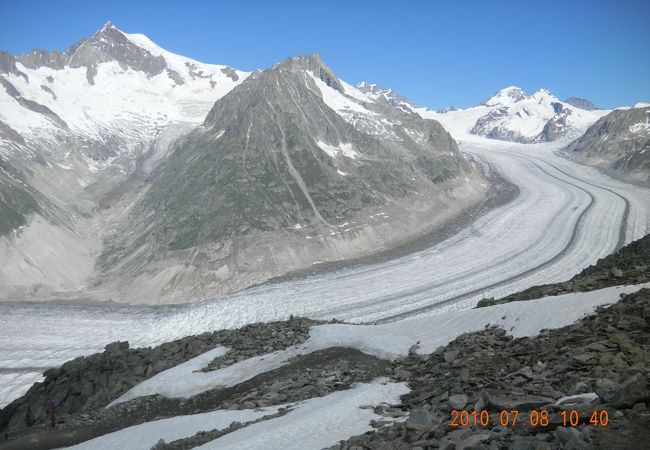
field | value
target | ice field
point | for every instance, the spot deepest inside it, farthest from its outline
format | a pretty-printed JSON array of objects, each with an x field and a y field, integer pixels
[{"x": 564, "y": 218}]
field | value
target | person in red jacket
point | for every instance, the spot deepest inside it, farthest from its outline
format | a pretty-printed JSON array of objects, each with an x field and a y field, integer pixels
[{"x": 52, "y": 406}]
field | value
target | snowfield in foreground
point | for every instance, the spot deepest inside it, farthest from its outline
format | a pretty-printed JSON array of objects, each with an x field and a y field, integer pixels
[
  {"x": 318, "y": 422},
  {"x": 312, "y": 424},
  {"x": 146, "y": 435}
]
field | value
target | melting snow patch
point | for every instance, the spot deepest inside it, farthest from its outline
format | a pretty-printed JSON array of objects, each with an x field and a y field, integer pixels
[
  {"x": 335, "y": 100},
  {"x": 346, "y": 149},
  {"x": 145, "y": 436},
  {"x": 182, "y": 380},
  {"x": 329, "y": 149},
  {"x": 318, "y": 422},
  {"x": 641, "y": 127}
]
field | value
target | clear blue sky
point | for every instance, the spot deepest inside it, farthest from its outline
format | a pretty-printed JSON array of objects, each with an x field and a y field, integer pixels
[{"x": 436, "y": 53}]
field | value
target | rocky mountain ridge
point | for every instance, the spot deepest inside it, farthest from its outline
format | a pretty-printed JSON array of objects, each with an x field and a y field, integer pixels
[
  {"x": 300, "y": 167},
  {"x": 510, "y": 115},
  {"x": 618, "y": 143},
  {"x": 152, "y": 192},
  {"x": 581, "y": 103}
]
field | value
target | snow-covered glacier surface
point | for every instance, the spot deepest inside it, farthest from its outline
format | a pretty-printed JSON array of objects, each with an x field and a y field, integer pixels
[
  {"x": 387, "y": 341},
  {"x": 565, "y": 217}
]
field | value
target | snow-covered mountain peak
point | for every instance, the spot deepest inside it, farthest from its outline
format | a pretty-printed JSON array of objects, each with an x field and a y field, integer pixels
[
  {"x": 110, "y": 44},
  {"x": 542, "y": 92},
  {"x": 512, "y": 115},
  {"x": 101, "y": 105},
  {"x": 544, "y": 95},
  {"x": 107, "y": 25},
  {"x": 308, "y": 64},
  {"x": 109, "y": 81},
  {"x": 372, "y": 88},
  {"x": 506, "y": 97}
]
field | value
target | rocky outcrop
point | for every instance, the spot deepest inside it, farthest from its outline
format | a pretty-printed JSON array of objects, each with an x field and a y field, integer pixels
[
  {"x": 618, "y": 144},
  {"x": 17, "y": 199},
  {"x": 386, "y": 95},
  {"x": 629, "y": 265},
  {"x": 581, "y": 103},
  {"x": 91, "y": 382},
  {"x": 601, "y": 361}
]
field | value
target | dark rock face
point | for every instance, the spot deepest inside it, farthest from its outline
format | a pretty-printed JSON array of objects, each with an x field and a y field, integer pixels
[
  {"x": 511, "y": 111},
  {"x": 629, "y": 265},
  {"x": 39, "y": 58},
  {"x": 42, "y": 109},
  {"x": 231, "y": 73},
  {"x": 617, "y": 143},
  {"x": 108, "y": 44},
  {"x": 17, "y": 199},
  {"x": 9, "y": 88},
  {"x": 557, "y": 126},
  {"x": 32, "y": 105},
  {"x": 484, "y": 126},
  {"x": 257, "y": 155},
  {"x": 8, "y": 65},
  {"x": 581, "y": 103},
  {"x": 554, "y": 128}
]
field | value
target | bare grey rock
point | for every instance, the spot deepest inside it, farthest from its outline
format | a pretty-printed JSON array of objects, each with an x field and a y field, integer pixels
[
  {"x": 581, "y": 103},
  {"x": 457, "y": 401},
  {"x": 618, "y": 144}
]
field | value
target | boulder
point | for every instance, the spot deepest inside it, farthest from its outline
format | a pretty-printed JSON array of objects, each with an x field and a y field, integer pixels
[
  {"x": 630, "y": 392},
  {"x": 457, "y": 401}
]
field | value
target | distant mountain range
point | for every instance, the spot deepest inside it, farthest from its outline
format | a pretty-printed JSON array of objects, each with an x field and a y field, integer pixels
[
  {"x": 516, "y": 116},
  {"x": 510, "y": 115},
  {"x": 130, "y": 173}
]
